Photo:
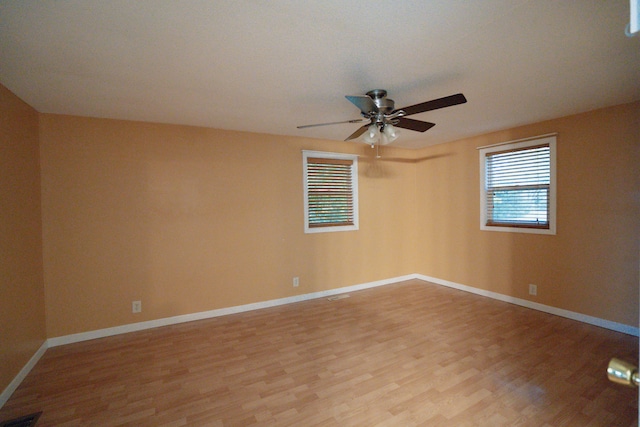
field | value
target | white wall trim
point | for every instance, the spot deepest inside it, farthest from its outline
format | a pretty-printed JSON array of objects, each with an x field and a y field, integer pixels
[
  {"x": 607, "y": 324},
  {"x": 132, "y": 327},
  {"x": 13, "y": 385},
  {"x": 514, "y": 141},
  {"x": 101, "y": 333}
]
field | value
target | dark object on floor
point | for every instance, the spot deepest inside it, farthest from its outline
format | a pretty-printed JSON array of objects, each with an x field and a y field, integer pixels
[{"x": 26, "y": 421}]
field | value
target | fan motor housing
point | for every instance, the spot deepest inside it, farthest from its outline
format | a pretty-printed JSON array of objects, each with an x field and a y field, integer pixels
[{"x": 379, "y": 97}]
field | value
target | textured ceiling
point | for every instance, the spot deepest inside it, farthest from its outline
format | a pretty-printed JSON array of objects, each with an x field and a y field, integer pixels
[{"x": 268, "y": 66}]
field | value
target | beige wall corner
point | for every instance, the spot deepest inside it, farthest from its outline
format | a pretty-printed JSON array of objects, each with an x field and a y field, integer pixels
[
  {"x": 22, "y": 312},
  {"x": 591, "y": 265}
]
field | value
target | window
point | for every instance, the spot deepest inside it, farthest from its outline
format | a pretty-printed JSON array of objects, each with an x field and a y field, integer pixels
[
  {"x": 517, "y": 181},
  {"x": 330, "y": 192}
]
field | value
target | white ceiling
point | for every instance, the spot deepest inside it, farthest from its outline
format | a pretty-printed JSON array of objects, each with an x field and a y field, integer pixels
[{"x": 268, "y": 66}]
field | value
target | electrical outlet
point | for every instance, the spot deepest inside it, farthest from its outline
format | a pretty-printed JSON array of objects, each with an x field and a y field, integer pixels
[
  {"x": 296, "y": 282},
  {"x": 533, "y": 289},
  {"x": 136, "y": 306}
]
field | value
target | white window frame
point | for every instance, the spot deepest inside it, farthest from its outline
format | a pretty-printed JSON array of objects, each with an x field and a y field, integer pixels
[
  {"x": 354, "y": 189},
  {"x": 515, "y": 145}
]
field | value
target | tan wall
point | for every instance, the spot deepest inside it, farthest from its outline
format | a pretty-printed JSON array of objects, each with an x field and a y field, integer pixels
[
  {"x": 189, "y": 219},
  {"x": 22, "y": 314},
  {"x": 591, "y": 266}
]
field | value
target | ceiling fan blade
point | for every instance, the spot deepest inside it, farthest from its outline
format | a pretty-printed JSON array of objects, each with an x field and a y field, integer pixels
[
  {"x": 331, "y": 123},
  {"x": 363, "y": 102},
  {"x": 360, "y": 131},
  {"x": 411, "y": 124},
  {"x": 434, "y": 104}
]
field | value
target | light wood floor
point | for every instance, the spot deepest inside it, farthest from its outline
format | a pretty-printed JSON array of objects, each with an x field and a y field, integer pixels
[{"x": 409, "y": 354}]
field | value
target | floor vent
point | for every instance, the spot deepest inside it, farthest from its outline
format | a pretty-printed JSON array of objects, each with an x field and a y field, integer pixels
[
  {"x": 26, "y": 421},
  {"x": 337, "y": 297}
]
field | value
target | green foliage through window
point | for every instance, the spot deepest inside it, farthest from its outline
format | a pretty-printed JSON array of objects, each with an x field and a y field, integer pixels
[
  {"x": 330, "y": 182},
  {"x": 518, "y": 186}
]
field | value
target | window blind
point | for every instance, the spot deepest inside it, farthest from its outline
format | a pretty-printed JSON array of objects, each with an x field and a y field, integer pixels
[
  {"x": 329, "y": 192},
  {"x": 517, "y": 187}
]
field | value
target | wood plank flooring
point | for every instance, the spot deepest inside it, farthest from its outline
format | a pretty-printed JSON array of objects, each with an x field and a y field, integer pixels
[{"x": 408, "y": 354}]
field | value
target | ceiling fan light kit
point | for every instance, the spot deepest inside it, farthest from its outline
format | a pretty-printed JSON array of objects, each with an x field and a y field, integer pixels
[
  {"x": 390, "y": 133},
  {"x": 383, "y": 136},
  {"x": 383, "y": 119},
  {"x": 371, "y": 135}
]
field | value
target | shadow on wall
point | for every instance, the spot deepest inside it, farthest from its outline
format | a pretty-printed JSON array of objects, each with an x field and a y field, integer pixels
[{"x": 374, "y": 167}]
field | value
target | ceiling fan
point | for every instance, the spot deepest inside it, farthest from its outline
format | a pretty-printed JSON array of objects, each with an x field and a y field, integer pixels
[{"x": 379, "y": 111}]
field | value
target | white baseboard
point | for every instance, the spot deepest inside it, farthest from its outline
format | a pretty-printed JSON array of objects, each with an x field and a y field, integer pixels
[
  {"x": 607, "y": 324},
  {"x": 13, "y": 385},
  {"x": 132, "y": 327},
  {"x": 100, "y": 333}
]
